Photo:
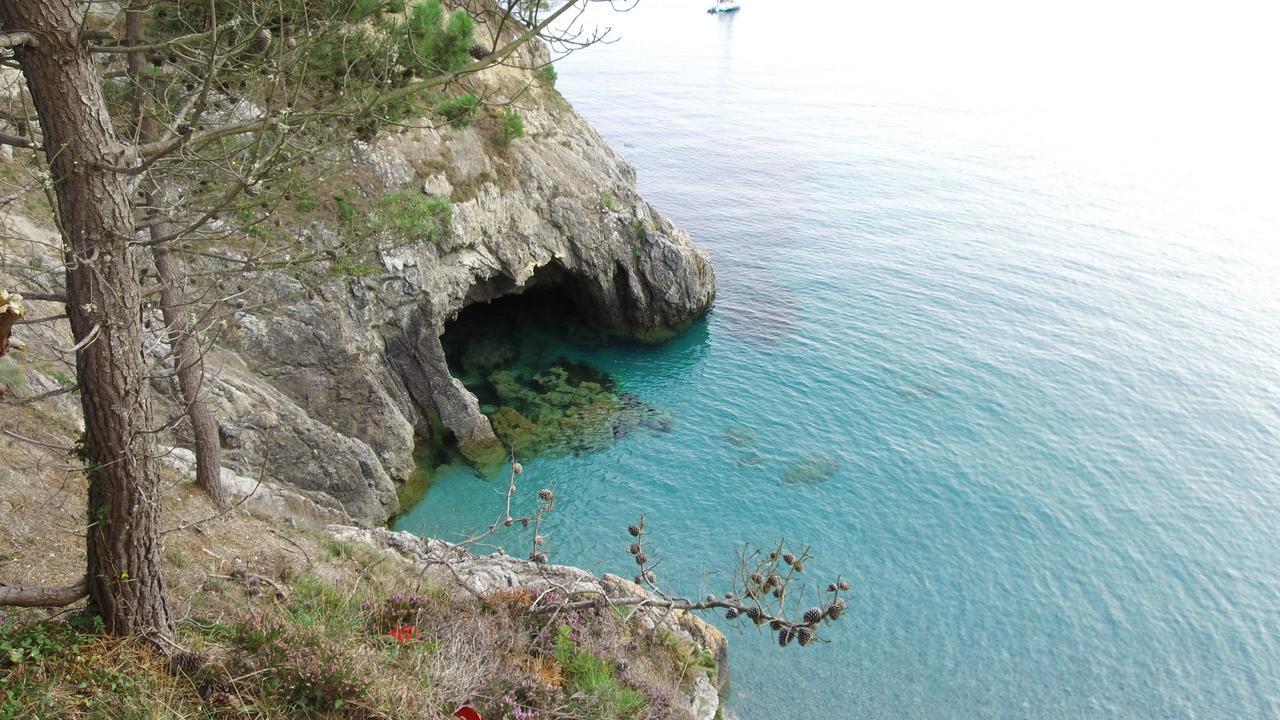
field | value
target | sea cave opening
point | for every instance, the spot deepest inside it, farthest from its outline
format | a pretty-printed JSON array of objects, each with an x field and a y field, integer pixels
[
  {"x": 532, "y": 358},
  {"x": 540, "y": 369}
]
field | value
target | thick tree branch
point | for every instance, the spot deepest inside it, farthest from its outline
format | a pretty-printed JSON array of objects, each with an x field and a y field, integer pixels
[
  {"x": 19, "y": 142},
  {"x": 15, "y": 39},
  {"x": 29, "y": 596}
]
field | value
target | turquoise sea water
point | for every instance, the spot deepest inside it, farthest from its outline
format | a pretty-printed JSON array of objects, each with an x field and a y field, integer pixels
[{"x": 1017, "y": 273}]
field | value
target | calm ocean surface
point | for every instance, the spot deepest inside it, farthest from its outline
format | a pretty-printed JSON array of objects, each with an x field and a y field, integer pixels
[{"x": 1016, "y": 271}]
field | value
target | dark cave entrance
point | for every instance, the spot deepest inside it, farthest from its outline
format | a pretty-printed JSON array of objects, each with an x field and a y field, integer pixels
[
  {"x": 532, "y": 360},
  {"x": 537, "y": 366}
]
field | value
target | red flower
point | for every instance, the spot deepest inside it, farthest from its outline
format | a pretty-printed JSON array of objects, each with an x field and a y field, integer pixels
[{"x": 404, "y": 633}]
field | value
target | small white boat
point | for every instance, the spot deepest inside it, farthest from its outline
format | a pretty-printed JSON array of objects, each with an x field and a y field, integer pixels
[{"x": 724, "y": 6}]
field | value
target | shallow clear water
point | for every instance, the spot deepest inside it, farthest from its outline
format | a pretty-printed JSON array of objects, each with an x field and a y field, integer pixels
[{"x": 1015, "y": 272}]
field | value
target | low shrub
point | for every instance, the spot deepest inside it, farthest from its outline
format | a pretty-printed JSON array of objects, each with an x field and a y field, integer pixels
[
  {"x": 412, "y": 214},
  {"x": 295, "y": 665},
  {"x": 459, "y": 111},
  {"x": 547, "y": 74},
  {"x": 512, "y": 125},
  {"x": 593, "y": 687}
]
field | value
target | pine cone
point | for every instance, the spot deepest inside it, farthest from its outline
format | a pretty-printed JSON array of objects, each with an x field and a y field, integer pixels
[
  {"x": 788, "y": 558},
  {"x": 215, "y": 692},
  {"x": 813, "y": 615},
  {"x": 635, "y": 548},
  {"x": 634, "y": 530},
  {"x": 478, "y": 51},
  {"x": 784, "y": 636},
  {"x": 186, "y": 663},
  {"x": 261, "y": 41},
  {"x": 731, "y": 614},
  {"x": 804, "y": 636},
  {"x": 641, "y": 559},
  {"x": 836, "y": 609},
  {"x": 546, "y": 494},
  {"x": 844, "y": 584}
]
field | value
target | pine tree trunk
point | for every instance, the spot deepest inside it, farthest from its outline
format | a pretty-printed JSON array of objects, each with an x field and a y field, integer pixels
[
  {"x": 190, "y": 368},
  {"x": 126, "y": 580},
  {"x": 187, "y": 359}
]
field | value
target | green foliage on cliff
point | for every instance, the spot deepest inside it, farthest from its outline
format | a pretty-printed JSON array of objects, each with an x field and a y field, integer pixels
[
  {"x": 411, "y": 214},
  {"x": 547, "y": 74},
  {"x": 429, "y": 44},
  {"x": 592, "y": 682},
  {"x": 512, "y": 125},
  {"x": 459, "y": 111},
  {"x": 354, "y": 50}
]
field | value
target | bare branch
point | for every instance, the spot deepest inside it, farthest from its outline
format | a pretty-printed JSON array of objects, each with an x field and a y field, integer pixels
[
  {"x": 46, "y": 297},
  {"x": 41, "y": 396},
  {"x": 36, "y": 596},
  {"x": 32, "y": 441},
  {"x": 19, "y": 142}
]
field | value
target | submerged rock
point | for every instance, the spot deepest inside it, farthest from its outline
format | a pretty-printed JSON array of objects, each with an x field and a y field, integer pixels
[
  {"x": 567, "y": 408},
  {"x": 811, "y": 470},
  {"x": 739, "y": 436}
]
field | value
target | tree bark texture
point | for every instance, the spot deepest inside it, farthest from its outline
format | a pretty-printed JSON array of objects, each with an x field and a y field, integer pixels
[{"x": 125, "y": 576}]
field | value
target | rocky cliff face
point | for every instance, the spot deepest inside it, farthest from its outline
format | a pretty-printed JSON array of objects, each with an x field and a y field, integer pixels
[
  {"x": 329, "y": 388},
  {"x": 327, "y": 382}
]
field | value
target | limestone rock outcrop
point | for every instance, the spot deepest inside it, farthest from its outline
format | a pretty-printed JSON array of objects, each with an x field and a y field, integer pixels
[
  {"x": 330, "y": 387},
  {"x": 324, "y": 379}
]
